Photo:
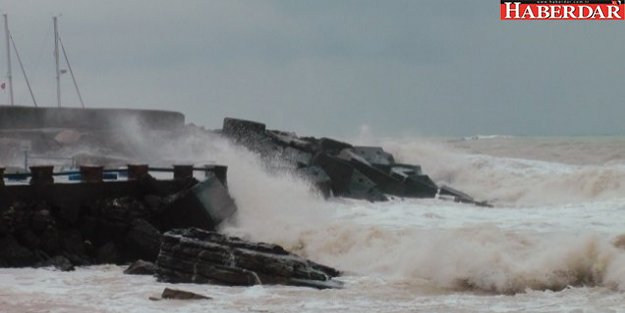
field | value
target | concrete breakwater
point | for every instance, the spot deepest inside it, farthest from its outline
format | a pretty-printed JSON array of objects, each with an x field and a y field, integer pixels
[{"x": 338, "y": 168}]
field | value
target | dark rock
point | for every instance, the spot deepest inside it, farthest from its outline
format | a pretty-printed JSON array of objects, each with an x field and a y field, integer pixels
[
  {"x": 241, "y": 128},
  {"x": 156, "y": 204},
  {"x": 50, "y": 241},
  {"x": 141, "y": 267},
  {"x": 59, "y": 262},
  {"x": 178, "y": 294},
  {"x": 348, "y": 181},
  {"x": 73, "y": 242},
  {"x": 359, "y": 172},
  {"x": 331, "y": 145},
  {"x": 197, "y": 256},
  {"x": 12, "y": 254},
  {"x": 460, "y": 196},
  {"x": 318, "y": 178},
  {"x": 108, "y": 254},
  {"x": 28, "y": 239},
  {"x": 40, "y": 221},
  {"x": 374, "y": 155},
  {"x": 143, "y": 240},
  {"x": 205, "y": 206}
]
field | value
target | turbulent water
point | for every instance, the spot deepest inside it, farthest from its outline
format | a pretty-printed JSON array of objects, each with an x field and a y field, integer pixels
[{"x": 553, "y": 242}]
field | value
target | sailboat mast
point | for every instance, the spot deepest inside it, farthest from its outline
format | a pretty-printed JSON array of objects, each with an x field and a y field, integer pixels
[
  {"x": 8, "y": 46},
  {"x": 56, "y": 58}
]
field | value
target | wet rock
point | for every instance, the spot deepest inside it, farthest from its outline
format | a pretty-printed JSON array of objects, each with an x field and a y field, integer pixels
[
  {"x": 348, "y": 181},
  {"x": 108, "y": 254},
  {"x": 41, "y": 220},
  {"x": 241, "y": 128},
  {"x": 50, "y": 241},
  {"x": 143, "y": 240},
  {"x": 374, "y": 155},
  {"x": 359, "y": 172},
  {"x": 12, "y": 254},
  {"x": 59, "y": 262},
  {"x": 178, "y": 294},
  {"x": 141, "y": 267},
  {"x": 205, "y": 205},
  {"x": 28, "y": 239},
  {"x": 197, "y": 256},
  {"x": 318, "y": 178}
]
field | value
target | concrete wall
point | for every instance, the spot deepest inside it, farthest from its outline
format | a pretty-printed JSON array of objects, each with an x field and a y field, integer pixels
[{"x": 19, "y": 117}]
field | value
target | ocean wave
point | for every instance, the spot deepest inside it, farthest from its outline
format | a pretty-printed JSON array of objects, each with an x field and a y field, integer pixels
[
  {"x": 477, "y": 258},
  {"x": 509, "y": 180}
]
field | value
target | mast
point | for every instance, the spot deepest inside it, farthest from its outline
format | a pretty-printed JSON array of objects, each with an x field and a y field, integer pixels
[
  {"x": 56, "y": 59},
  {"x": 8, "y": 46}
]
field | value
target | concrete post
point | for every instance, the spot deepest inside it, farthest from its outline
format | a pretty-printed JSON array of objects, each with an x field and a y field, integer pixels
[
  {"x": 41, "y": 175},
  {"x": 91, "y": 173},
  {"x": 183, "y": 171},
  {"x": 137, "y": 171}
]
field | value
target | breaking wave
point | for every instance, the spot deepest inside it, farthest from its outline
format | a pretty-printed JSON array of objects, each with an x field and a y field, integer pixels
[
  {"x": 513, "y": 181},
  {"x": 487, "y": 257},
  {"x": 483, "y": 258}
]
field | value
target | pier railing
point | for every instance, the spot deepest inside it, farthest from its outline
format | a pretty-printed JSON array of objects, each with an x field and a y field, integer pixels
[{"x": 94, "y": 173}]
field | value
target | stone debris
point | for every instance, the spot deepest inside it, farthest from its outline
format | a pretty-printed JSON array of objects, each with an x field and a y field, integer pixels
[
  {"x": 338, "y": 168},
  {"x": 197, "y": 256},
  {"x": 66, "y": 225},
  {"x": 177, "y": 294}
]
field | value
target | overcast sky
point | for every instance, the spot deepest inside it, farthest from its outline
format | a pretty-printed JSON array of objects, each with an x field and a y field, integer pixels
[{"x": 331, "y": 67}]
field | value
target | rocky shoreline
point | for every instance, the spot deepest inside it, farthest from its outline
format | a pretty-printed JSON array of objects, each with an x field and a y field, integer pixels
[{"x": 171, "y": 224}]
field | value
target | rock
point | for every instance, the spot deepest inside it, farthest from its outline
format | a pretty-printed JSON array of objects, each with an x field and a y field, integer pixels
[
  {"x": 12, "y": 254},
  {"x": 27, "y": 238},
  {"x": 108, "y": 254},
  {"x": 374, "y": 155},
  {"x": 205, "y": 205},
  {"x": 460, "y": 196},
  {"x": 50, "y": 241},
  {"x": 318, "y": 178},
  {"x": 197, "y": 256},
  {"x": 143, "y": 240},
  {"x": 359, "y": 172},
  {"x": 40, "y": 221},
  {"x": 73, "y": 242},
  {"x": 241, "y": 129},
  {"x": 178, "y": 294},
  {"x": 331, "y": 145},
  {"x": 141, "y": 267},
  {"x": 59, "y": 262},
  {"x": 348, "y": 181}
]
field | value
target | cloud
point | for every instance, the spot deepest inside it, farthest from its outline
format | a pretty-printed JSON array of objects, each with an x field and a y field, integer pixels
[{"x": 327, "y": 67}]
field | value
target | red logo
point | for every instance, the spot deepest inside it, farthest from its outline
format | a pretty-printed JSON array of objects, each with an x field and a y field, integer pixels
[{"x": 563, "y": 10}]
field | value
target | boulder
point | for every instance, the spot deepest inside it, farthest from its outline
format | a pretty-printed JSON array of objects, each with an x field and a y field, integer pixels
[
  {"x": 197, "y": 256},
  {"x": 178, "y": 294},
  {"x": 12, "y": 254},
  {"x": 205, "y": 205},
  {"x": 143, "y": 240},
  {"x": 360, "y": 172}
]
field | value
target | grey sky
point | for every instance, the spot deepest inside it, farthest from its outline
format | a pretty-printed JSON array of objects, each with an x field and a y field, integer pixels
[{"x": 330, "y": 67}]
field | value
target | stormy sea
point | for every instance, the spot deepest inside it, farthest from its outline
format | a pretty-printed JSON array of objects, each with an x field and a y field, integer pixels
[{"x": 554, "y": 240}]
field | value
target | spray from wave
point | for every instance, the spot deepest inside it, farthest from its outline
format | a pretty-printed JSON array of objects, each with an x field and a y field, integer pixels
[
  {"x": 511, "y": 181},
  {"x": 281, "y": 208}
]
